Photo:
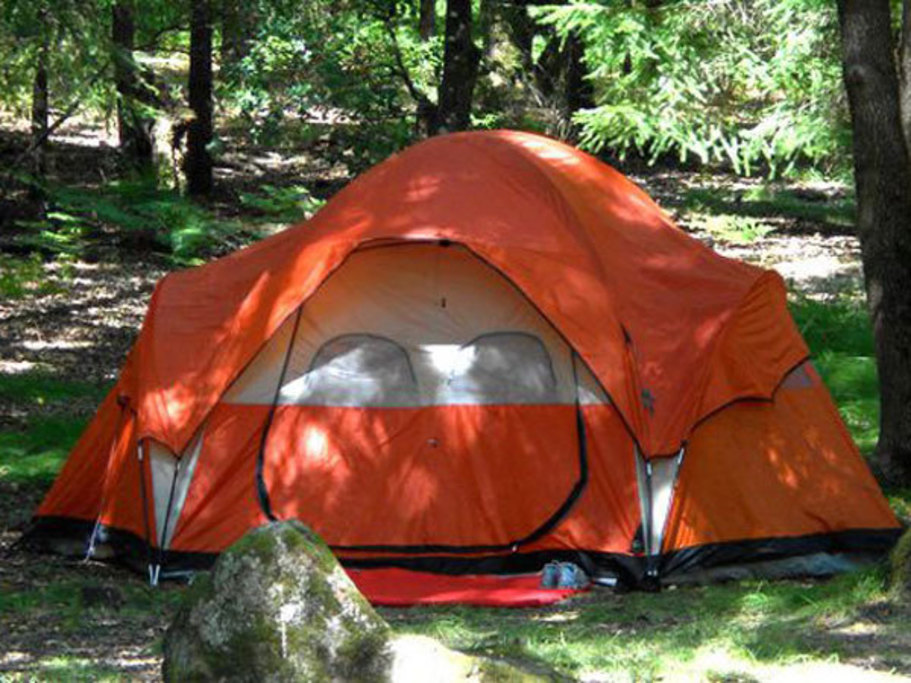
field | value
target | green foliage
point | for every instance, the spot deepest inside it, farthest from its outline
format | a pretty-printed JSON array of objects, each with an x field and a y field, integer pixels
[
  {"x": 841, "y": 341},
  {"x": 900, "y": 578},
  {"x": 42, "y": 389},
  {"x": 77, "y": 48},
  {"x": 900, "y": 502},
  {"x": 729, "y": 81},
  {"x": 140, "y": 211},
  {"x": 19, "y": 276},
  {"x": 328, "y": 65},
  {"x": 34, "y": 457},
  {"x": 289, "y": 204},
  {"x": 734, "y": 227}
]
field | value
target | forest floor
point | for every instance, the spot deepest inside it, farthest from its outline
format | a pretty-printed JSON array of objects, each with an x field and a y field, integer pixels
[{"x": 67, "y": 321}]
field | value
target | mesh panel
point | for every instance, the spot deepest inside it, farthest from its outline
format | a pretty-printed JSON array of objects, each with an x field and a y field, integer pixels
[
  {"x": 505, "y": 367},
  {"x": 355, "y": 370},
  {"x": 798, "y": 378}
]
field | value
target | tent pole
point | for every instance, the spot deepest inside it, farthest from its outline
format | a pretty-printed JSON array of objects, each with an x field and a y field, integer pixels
[
  {"x": 90, "y": 547},
  {"x": 167, "y": 516},
  {"x": 261, "y": 492},
  {"x": 153, "y": 569}
]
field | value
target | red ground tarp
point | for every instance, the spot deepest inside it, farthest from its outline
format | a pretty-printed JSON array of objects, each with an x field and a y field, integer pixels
[{"x": 402, "y": 588}]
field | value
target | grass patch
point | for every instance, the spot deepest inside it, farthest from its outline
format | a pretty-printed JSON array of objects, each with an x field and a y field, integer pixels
[
  {"x": 74, "y": 596},
  {"x": 42, "y": 389},
  {"x": 841, "y": 341},
  {"x": 647, "y": 636},
  {"x": 21, "y": 276},
  {"x": 68, "y": 668},
  {"x": 767, "y": 201},
  {"x": 34, "y": 456},
  {"x": 93, "y": 614},
  {"x": 733, "y": 228}
]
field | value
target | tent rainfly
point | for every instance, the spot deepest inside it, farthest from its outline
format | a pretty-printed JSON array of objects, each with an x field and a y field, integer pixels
[{"x": 488, "y": 352}]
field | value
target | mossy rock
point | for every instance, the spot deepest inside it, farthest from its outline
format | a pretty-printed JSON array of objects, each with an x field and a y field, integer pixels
[
  {"x": 901, "y": 567},
  {"x": 277, "y": 606}
]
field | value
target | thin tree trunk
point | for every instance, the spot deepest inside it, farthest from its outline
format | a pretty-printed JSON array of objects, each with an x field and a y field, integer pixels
[
  {"x": 883, "y": 177},
  {"x": 522, "y": 31},
  {"x": 135, "y": 128},
  {"x": 579, "y": 94},
  {"x": 547, "y": 68},
  {"x": 905, "y": 71},
  {"x": 40, "y": 109},
  {"x": 461, "y": 58},
  {"x": 198, "y": 163},
  {"x": 427, "y": 21}
]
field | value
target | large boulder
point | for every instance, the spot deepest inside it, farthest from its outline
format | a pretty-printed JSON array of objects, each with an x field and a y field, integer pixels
[
  {"x": 277, "y": 606},
  {"x": 901, "y": 567}
]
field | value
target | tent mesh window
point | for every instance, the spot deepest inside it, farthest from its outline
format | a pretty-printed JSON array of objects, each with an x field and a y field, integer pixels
[
  {"x": 358, "y": 370},
  {"x": 798, "y": 378},
  {"x": 503, "y": 368}
]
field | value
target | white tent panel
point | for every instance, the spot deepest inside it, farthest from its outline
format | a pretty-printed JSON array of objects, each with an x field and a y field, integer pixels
[
  {"x": 416, "y": 325},
  {"x": 165, "y": 467},
  {"x": 656, "y": 479}
]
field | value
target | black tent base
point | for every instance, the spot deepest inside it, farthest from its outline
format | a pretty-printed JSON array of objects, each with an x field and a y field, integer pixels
[{"x": 816, "y": 555}]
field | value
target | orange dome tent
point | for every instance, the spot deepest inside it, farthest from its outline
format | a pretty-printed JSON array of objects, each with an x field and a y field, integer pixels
[{"x": 489, "y": 351}]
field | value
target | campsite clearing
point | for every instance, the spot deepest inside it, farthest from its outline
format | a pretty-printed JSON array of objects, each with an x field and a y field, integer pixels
[{"x": 66, "y": 620}]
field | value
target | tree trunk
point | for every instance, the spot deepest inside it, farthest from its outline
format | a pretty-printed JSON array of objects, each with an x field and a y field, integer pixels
[
  {"x": 905, "y": 71},
  {"x": 579, "y": 94},
  {"x": 134, "y": 128},
  {"x": 198, "y": 163},
  {"x": 461, "y": 58},
  {"x": 547, "y": 68},
  {"x": 522, "y": 30},
  {"x": 427, "y": 22},
  {"x": 882, "y": 175},
  {"x": 40, "y": 110}
]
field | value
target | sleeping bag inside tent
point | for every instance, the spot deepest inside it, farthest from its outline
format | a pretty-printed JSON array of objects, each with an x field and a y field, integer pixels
[{"x": 487, "y": 353}]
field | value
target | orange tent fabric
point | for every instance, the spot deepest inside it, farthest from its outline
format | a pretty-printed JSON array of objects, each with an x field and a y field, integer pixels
[
  {"x": 674, "y": 334},
  {"x": 574, "y": 235}
]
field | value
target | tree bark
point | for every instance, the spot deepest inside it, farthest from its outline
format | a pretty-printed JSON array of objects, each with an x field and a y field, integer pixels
[
  {"x": 905, "y": 71},
  {"x": 522, "y": 30},
  {"x": 134, "y": 128},
  {"x": 461, "y": 58},
  {"x": 40, "y": 110},
  {"x": 198, "y": 162},
  {"x": 427, "y": 19},
  {"x": 547, "y": 69},
  {"x": 883, "y": 177},
  {"x": 579, "y": 94}
]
